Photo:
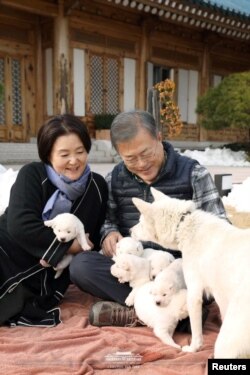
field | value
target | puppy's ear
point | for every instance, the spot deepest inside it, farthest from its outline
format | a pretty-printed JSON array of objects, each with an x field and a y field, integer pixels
[
  {"x": 49, "y": 223},
  {"x": 141, "y": 205},
  {"x": 158, "y": 195}
]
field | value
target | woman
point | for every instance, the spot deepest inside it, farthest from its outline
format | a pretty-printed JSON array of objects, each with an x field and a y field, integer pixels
[{"x": 61, "y": 182}]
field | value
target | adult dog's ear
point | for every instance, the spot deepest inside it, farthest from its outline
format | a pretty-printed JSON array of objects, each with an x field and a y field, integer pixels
[
  {"x": 141, "y": 205},
  {"x": 158, "y": 195}
]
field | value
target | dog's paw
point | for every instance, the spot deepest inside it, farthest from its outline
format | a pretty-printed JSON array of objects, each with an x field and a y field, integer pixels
[
  {"x": 86, "y": 248},
  {"x": 188, "y": 349},
  {"x": 129, "y": 301}
]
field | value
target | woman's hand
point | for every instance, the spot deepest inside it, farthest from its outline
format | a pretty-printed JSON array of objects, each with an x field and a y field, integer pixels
[
  {"x": 109, "y": 243},
  {"x": 75, "y": 248}
]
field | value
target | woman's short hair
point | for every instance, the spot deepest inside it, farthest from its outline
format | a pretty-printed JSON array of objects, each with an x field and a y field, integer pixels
[
  {"x": 57, "y": 126},
  {"x": 126, "y": 125}
]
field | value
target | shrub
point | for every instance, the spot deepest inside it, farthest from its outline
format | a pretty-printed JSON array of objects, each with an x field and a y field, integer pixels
[{"x": 103, "y": 120}]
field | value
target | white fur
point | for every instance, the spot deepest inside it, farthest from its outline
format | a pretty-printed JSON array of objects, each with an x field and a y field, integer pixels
[
  {"x": 135, "y": 270},
  {"x": 128, "y": 245},
  {"x": 216, "y": 258},
  {"x": 66, "y": 227},
  {"x": 132, "y": 269},
  {"x": 159, "y": 260},
  {"x": 163, "y": 319},
  {"x": 168, "y": 282}
]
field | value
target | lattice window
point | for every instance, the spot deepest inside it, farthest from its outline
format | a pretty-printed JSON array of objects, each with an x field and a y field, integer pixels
[
  {"x": 104, "y": 84},
  {"x": 16, "y": 92},
  {"x": 97, "y": 84},
  {"x": 2, "y": 101},
  {"x": 112, "y": 79}
]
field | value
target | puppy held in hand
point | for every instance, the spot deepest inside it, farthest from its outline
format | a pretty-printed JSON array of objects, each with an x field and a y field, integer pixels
[
  {"x": 67, "y": 227},
  {"x": 167, "y": 283}
]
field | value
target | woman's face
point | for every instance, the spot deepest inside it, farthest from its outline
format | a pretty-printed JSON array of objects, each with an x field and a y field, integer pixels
[{"x": 68, "y": 156}]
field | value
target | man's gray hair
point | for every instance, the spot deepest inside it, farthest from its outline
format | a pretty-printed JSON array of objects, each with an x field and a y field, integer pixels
[{"x": 126, "y": 125}]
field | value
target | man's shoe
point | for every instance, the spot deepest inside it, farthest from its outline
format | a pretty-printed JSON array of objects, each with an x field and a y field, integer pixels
[{"x": 106, "y": 313}]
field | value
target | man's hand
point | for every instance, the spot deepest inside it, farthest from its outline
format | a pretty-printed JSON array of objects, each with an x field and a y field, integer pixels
[{"x": 109, "y": 243}]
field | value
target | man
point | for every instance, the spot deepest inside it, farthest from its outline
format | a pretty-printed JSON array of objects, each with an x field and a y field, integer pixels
[{"x": 146, "y": 161}]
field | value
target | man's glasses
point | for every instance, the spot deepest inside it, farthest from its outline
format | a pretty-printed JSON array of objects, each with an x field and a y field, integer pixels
[{"x": 145, "y": 156}]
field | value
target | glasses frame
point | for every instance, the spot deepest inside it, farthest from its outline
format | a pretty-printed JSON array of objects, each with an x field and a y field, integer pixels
[{"x": 146, "y": 155}]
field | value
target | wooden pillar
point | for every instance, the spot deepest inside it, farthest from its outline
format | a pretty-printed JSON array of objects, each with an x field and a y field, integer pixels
[
  {"x": 40, "y": 84},
  {"x": 61, "y": 62},
  {"x": 204, "y": 85},
  {"x": 144, "y": 53}
]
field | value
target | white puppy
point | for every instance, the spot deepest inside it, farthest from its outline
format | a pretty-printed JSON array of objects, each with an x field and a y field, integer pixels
[
  {"x": 163, "y": 319},
  {"x": 135, "y": 270},
  {"x": 66, "y": 227},
  {"x": 132, "y": 269},
  {"x": 168, "y": 282},
  {"x": 128, "y": 245},
  {"x": 216, "y": 258},
  {"x": 159, "y": 260}
]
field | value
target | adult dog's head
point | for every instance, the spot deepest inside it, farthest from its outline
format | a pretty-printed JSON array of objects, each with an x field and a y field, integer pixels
[{"x": 159, "y": 220}]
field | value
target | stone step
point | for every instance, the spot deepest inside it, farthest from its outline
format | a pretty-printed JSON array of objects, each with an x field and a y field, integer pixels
[
  {"x": 101, "y": 151},
  {"x": 19, "y": 153}
]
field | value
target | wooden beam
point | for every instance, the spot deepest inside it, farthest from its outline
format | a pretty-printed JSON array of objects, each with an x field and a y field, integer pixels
[
  {"x": 40, "y": 7},
  {"x": 72, "y": 5}
]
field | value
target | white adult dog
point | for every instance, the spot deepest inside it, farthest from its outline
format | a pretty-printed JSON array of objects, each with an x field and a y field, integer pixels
[
  {"x": 135, "y": 270},
  {"x": 216, "y": 258},
  {"x": 66, "y": 227},
  {"x": 168, "y": 282}
]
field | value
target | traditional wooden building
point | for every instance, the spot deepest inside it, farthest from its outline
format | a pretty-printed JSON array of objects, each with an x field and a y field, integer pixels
[{"x": 101, "y": 56}]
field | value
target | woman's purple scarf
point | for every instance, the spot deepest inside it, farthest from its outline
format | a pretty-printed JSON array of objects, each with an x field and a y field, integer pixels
[{"x": 67, "y": 191}]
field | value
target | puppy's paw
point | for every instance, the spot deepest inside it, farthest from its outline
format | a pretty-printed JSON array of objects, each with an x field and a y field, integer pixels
[
  {"x": 189, "y": 349},
  {"x": 129, "y": 300},
  {"x": 86, "y": 248}
]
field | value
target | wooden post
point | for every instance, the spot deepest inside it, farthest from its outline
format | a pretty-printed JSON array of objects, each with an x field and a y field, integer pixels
[
  {"x": 142, "y": 64},
  {"x": 61, "y": 62},
  {"x": 204, "y": 82},
  {"x": 39, "y": 81},
  {"x": 153, "y": 106}
]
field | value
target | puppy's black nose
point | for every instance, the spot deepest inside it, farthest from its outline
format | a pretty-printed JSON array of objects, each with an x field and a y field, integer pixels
[
  {"x": 157, "y": 303},
  {"x": 63, "y": 239}
]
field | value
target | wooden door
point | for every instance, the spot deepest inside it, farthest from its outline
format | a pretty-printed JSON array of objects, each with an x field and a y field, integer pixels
[{"x": 12, "y": 101}]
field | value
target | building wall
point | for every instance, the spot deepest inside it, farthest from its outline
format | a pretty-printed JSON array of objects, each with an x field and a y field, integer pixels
[{"x": 108, "y": 66}]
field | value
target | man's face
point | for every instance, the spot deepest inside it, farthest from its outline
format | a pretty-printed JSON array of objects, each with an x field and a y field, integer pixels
[{"x": 143, "y": 155}]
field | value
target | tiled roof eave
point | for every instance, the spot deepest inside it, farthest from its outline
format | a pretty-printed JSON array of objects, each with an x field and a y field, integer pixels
[{"x": 196, "y": 13}]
